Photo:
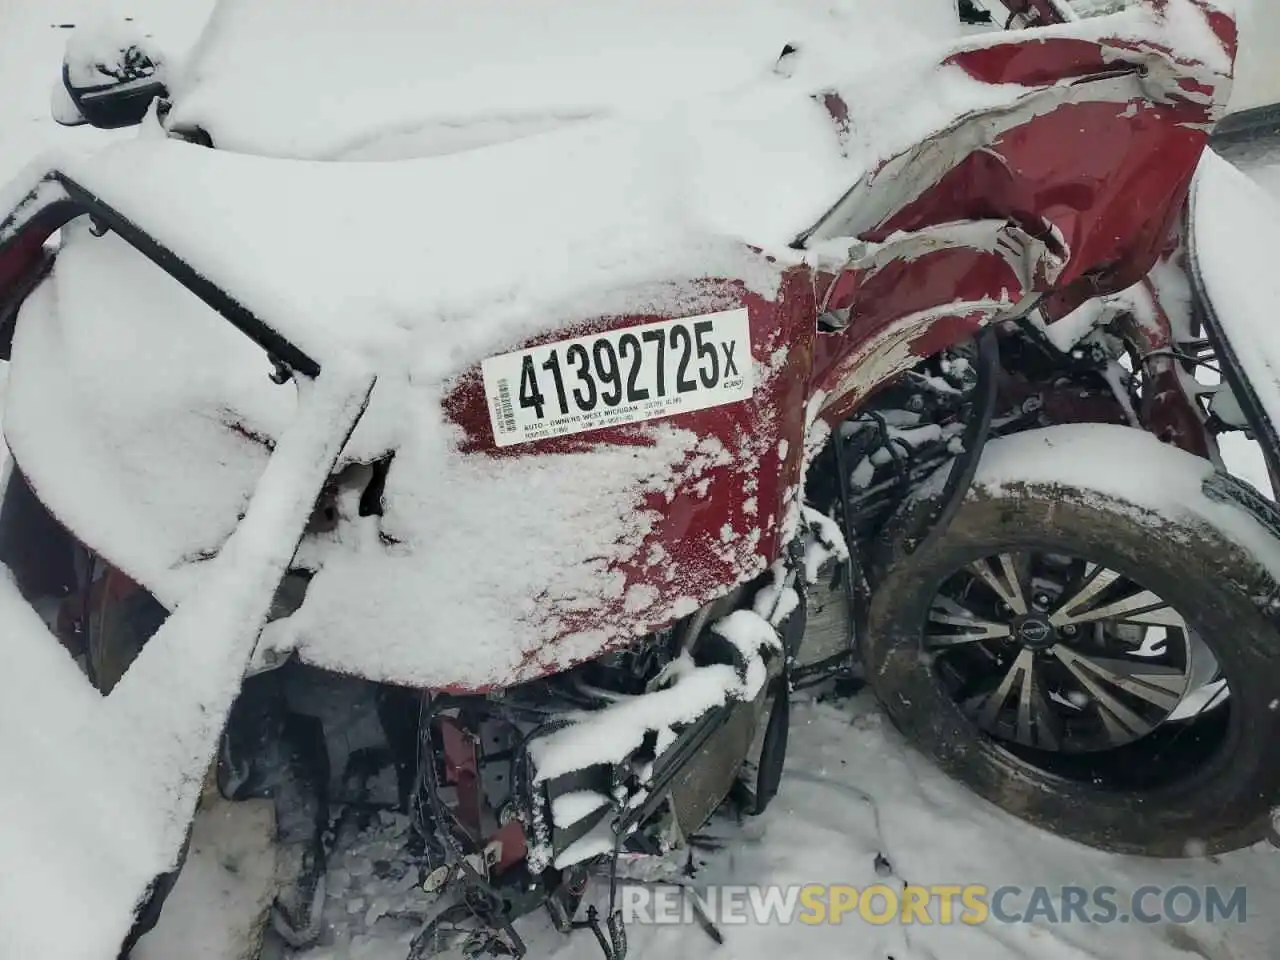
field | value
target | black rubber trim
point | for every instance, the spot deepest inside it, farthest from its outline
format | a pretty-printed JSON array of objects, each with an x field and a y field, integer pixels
[{"x": 809, "y": 673}]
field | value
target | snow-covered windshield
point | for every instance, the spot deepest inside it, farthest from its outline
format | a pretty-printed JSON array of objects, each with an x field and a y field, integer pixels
[{"x": 384, "y": 79}]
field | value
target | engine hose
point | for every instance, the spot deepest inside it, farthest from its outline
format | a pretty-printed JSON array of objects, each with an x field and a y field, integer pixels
[{"x": 935, "y": 521}]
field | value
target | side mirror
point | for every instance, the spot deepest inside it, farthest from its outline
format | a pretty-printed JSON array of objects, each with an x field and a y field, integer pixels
[
  {"x": 110, "y": 76},
  {"x": 972, "y": 13}
]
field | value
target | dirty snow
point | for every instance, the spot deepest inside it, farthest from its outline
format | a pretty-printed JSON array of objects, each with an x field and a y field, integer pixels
[{"x": 230, "y": 871}]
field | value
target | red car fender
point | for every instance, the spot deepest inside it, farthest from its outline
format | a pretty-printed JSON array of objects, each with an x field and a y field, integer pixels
[{"x": 1101, "y": 182}]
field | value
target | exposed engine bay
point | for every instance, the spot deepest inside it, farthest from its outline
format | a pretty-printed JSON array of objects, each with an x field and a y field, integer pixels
[{"x": 517, "y": 801}]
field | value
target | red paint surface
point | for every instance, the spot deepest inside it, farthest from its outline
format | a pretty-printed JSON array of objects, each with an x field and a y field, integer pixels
[
  {"x": 1112, "y": 185},
  {"x": 1033, "y": 64}
]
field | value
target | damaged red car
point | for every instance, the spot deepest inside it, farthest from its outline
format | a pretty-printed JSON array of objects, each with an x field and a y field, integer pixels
[{"x": 502, "y": 438}]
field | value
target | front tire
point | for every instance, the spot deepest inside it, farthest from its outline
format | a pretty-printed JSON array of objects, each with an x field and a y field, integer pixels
[{"x": 1126, "y": 503}]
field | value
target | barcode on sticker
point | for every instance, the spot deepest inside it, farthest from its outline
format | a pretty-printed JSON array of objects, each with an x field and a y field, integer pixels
[{"x": 505, "y": 408}]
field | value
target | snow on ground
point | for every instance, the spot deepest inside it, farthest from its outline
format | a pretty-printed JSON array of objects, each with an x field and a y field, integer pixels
[
  {"x": 853, "y": 792},
  {"x": 859, "y": 807},
  {"x": 230, "y": 871}
]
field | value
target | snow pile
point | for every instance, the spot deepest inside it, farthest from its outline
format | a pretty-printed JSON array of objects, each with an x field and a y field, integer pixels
[
  {"x": 145, "y": 748},
  {"x": 609, "y": 735},
  {"x": 386, "y": 80},
  {"x": 221, "y": 902},
  {"x": 97, "y": 853},
  {"x": 778, "y": 599},
  {"x": 824, "y": 542},
  {"x": 750, "y": 635},
  {"x": 568, "y": 808},
  {"x": 494, "y": 574},
  {"x": 479, "y": 250}
]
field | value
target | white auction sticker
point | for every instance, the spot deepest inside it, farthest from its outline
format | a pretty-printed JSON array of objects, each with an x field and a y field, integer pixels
[{"x": 621, "y": 376}]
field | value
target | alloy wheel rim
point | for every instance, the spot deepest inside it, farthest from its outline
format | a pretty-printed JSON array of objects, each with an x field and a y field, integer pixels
[{"x": 1052, "y": 654}]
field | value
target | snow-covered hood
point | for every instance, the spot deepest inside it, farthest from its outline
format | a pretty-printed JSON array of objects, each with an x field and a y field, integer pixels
[{"x": 391, "y": 78}]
